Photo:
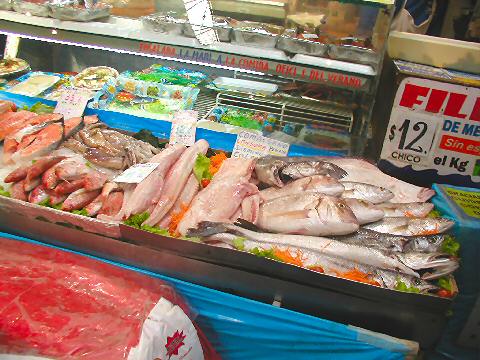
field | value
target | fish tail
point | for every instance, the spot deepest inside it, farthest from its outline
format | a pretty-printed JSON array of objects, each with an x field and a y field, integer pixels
[
  {"x": 336, "y": 171},
  {"x": 247, "y": 225},
  {"x": 207, "y": 228}
]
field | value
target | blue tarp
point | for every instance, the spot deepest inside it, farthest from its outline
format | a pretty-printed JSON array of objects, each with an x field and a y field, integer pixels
[
  {"x": 466, "y": 231},
  {"x": 244, "y": 329}
]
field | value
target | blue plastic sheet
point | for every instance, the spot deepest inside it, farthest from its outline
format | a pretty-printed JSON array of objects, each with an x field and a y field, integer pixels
[
  {"x": 466, "y": 231},
  {"x": 160, "y": 128},
  {"x": 243, "y": 329}
]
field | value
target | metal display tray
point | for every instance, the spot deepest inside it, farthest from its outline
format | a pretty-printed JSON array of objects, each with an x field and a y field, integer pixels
[
  {"x": 301, "y": 46},
  {"x": 404, "y": 315}
]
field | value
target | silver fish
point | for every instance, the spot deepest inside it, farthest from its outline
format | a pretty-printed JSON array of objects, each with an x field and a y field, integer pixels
[
  {"x": 411, "y": 226},
  {"x": 307, "y": 214},
  {"x": 279, "y": 170},
  {"x": 432, "y": 243},
  {"x": 318, "y": 183},
  {"x": 415, "y": 209},
  {"x": 439, "y": 264},
  {"x": 326, "y": 246},
  {"x": 375, "y": 240},
  {"x": 364, "y": 211},
  {"x": 372, "y": 193}
]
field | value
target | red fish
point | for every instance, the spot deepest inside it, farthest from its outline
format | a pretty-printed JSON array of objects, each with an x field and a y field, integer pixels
[
  {"x": 17, "y": 175},
  {"x": 7, "y": 106},
  {"x": 112, "y": 204},
  {"x": 38, "y": 195},
  {"x": 40, "y": 166},
  {"x": 17, "y": 191},
  {"x": 79, "y": 199},
  {"x": 72, "y": 125},
  {"x": 68, "y": 187}
]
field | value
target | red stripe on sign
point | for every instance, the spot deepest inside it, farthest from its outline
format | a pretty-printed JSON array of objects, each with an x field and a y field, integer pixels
[{"x": 457, "y": 144}]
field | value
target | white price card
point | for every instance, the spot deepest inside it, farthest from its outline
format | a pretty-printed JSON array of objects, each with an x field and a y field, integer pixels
[
  {"x": 184, "y": 127},
  {"x": 72, "y": 103},
  {"x": 200, "y": 17},
  {"x": 252, "y": 145},
  {"x": 136, "y": 173}
]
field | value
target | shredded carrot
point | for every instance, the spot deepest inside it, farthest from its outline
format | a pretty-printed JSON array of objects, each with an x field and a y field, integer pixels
[
  {"x": 216, "y": 161},
  {"x": 316, "y": 268},
  {"x": 288, "y": 257},
  {"x": 430, "y": 232},
  {"x": 409, "y": 214},
  {"x": 176, "y": 218},
  {"x": 357, "y": 275}
]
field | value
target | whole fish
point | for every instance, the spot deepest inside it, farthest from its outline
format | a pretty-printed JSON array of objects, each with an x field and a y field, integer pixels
[
  {"x": 17, "y": 175},
  {"x": 364, "y": 172},
  {"x": 68, "y": 187},
  {"x": 361, "y": 191},
  {"x": 318, "y": 183},
  {"x": 432, "y": 243},
  {"x": 330, "y": 265},
  {"x": 411, "y": 226},
  {"x": 278, "y": 170},
  {"x": 355, "y": 253},
  {"x": 38, "y": 168},
  {"x": 38, "y": 195},
  {"x": 364, "y": 211},
  {"x": 71, "y": 169},
  {"x": 79, "y": 199},
  {"x": 176, "y": 180},
  {"x": 307, "y": 214},
  {"x": 112, "y": 204},
  {"x": 415, "y": 209},
  {"x": 438, "y": 264},
  {"x": 56, "y": 199},
  {"x": 249, "y": 209},
  {"x": 17, "y": 191},
  {"x": 375, "y": 240}
]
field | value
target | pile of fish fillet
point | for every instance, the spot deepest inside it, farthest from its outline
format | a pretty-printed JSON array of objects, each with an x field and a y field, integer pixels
[{"x": 337, "y": 216}]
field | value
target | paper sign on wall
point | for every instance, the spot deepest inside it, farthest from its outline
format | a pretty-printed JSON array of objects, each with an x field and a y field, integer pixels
[
  {"x": 72, "y": 103},
  {"x": 251, "y": 145}
]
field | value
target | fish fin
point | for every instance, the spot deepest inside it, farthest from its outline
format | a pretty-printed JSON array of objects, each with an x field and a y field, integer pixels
[
  {"x": 207, "y": 228},
  {"x": 247, "y": 225},
  {"x": 336, "y": 171}
]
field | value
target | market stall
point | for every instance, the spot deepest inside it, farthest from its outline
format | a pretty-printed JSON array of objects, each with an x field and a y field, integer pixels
[{"x": 230, "y": 165}]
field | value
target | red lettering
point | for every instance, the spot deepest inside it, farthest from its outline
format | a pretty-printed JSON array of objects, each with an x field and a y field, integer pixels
[
  {"x": 475, "y": 116},
  {"x": 436, "y": 100},
  {"x": 411, "y": 93},
  {"x": 454, "y": 105}
]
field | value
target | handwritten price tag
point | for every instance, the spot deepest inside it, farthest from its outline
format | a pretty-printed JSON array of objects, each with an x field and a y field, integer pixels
[
  {"x": 72, "y": 103},
  {"x": 184, "y": 127},
  {"x": 136, "y": 174},
  {"x": 251, "y": 145}
]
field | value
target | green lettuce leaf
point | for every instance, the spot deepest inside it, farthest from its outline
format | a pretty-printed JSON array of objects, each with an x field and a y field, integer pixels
[
  {"x": 265, "y": 253},
  {"x": 81, "y": 212},
  {"x": 401, "y": 286},
  {"x": 239, "y": 243},
  {"x": 445, "y": 283},
  {"x": 4, "y": 192},
  {"x": 200, "y": 169},
  {"x": 137, "y": 220},
  {"x": 450, "y": 245}
]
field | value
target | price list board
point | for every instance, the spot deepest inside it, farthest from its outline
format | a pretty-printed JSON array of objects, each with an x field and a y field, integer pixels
[{"x": 434, "y": 128}]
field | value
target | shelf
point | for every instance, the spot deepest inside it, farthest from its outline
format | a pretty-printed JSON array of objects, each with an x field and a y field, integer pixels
[{"x": 128, "y": 35}]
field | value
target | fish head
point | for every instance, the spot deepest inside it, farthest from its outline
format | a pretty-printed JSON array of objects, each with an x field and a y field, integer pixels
[
  {"x": 365, "y": 211},
  {"x": 419, "y": 261},
  {"x": 335, "y": 210},
  {"x": 385, "y": 193}
]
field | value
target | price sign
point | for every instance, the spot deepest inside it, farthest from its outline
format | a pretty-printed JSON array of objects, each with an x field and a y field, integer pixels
[
  {"x": 252, "y": 145},
  {"x": 435, "y": 126},
  {"x": 408, "y": 134},
  {"x": 72, "y": 103},
  {"x": 201, "y": 19},
  {"x": 136, "y": 173},
  {"x": 184, "y": 126}
]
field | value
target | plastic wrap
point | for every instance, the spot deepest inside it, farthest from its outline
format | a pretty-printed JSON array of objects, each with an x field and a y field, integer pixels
[
  {"x": 61, "y": 305},
  {"x": 32, "y": 7},
  {"x": 74, "y": 11},
  {"x": 220, "y": 24}
]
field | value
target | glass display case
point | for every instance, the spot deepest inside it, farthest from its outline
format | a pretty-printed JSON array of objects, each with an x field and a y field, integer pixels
[{"x": 298, "y": 71}]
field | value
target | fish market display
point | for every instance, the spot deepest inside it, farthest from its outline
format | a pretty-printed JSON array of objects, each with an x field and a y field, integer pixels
[{"x": 338, "y": 216}]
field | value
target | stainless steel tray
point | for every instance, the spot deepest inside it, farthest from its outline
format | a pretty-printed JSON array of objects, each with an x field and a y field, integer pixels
[
  {"x": 223, "y": 32},
  {"x": 29, "y": 212},
  {"x": 300, "y": 46},
  {"x": 26, "y": 7},
  {"x": 256, "y": 34},
  {"x": 75, "y": 14},
  {"x": 164, "y": 23},
  {"x": 354, "y": 54}
]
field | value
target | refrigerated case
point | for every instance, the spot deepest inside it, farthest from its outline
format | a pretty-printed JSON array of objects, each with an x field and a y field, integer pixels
[{"x": 321, "y": 57}]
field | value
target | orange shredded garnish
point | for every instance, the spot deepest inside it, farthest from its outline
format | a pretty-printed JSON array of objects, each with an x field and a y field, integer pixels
[
  {"x": 216, "y": 161},
  {"x": 288, "y": 257},
  {"x": 175, "y": 220},
  {"x": 430, "y": 232},
  {"x": 409, "y": 214},
  {"x": 316, "y": 268},
  {"x": 357, "y": 275}
]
